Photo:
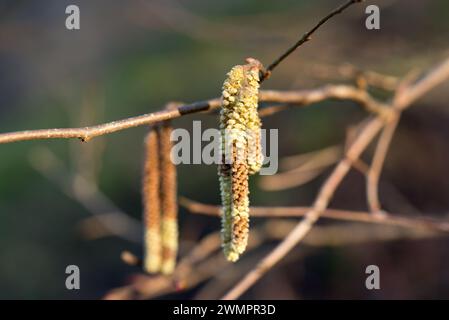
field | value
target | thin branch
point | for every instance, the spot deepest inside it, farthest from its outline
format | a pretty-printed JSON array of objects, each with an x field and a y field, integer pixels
[
  {"x": 391, "y": 189},
  {"x": 207, "y": 260},
  {"x": 296, "y": 97},
  {"x": 306, "y": 37},
  {"x": 432, "y": 79},
  {"x": 334, "y": 214},
  {"x": 373, "y": 174},
  {"x": 86, "y": 192},
  {"x": 402, "y": 95},
  {"x": 302, "y": 173},
  {"x": 87, "y": 133},
  {"x": 200, "y": 264},
  {"x": 294, "y": 161},
  {"x": 350, "y": 72}
]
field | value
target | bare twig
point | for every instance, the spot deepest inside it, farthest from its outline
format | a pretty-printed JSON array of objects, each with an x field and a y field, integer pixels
[
  {"x": 203, "y": 261},
  {"x": 130, "y": 258},
  {"x": 305, "y": 172},
  {"x": 373, "y": 174},
  {"x": 431, "y": 80},
  {"x": 334, "y": 214},
  {"x": 104, "y": 211},
  {"x": 297, "y": 97},
  {"x": 200, "y": 264},
  {"x": 405, "y": 94},
  {"x": 306, "y": 37},
  {"x": 294, "y": 161},
  {"x": 87, "y": 133},
  {"x": 350, "y": 72}
]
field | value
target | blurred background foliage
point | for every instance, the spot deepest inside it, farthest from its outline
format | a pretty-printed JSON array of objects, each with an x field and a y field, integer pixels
[{"x": 132, "y": 57}]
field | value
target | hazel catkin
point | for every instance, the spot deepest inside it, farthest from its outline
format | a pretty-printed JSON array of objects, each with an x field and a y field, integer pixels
[
  {"x": 169, "y": 225},
  {"x": 241, "y": 153},
  {"x": 151, "y": 204}
]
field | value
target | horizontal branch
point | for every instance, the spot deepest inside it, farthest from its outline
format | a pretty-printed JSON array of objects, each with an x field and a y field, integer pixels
[
  {"x": 87, "y": 133},
  {"x": 297, "y": 97},
  {"x": 335, "y": 214},
  {"x": 348, "y": 71}
]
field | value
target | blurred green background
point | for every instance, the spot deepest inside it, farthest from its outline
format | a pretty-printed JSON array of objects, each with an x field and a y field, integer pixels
[{"x": 132, "y": 57}]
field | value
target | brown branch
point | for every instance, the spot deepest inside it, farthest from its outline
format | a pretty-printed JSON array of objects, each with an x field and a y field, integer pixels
[
  {"x": 349, "y": 72},
  {"x": 373, "y": 174},
  {"x": 338, "y": 92},
  {"x": 432, "y": 79},
  {"x": 202, "y": 262},
  {"x": 305, "y": 172},
  {"x": 87, "y": 133},
  {"x": 294, "y": 161},
  {"x": 296, "y": 97},
  {"x": 334, "y": 214},
  {"x": 306, "y": 37},
  {"x": 375, "y": 170},
  {"x": 105, "y": 213}
]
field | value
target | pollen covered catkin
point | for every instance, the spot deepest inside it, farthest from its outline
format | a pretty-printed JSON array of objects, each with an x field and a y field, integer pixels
[
  {"x": 151, "y": 204},
  {"x": 241, "y": 153},
  {"x": 169, "y": 226}
]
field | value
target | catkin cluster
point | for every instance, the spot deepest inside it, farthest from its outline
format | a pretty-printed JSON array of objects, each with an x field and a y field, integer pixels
[{"x": 241, "y": 153}]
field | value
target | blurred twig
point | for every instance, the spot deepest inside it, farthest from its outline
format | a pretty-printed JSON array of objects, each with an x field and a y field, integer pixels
[
  {"x": 373, "y": 174},
  {"x": 306, "y": 37},
  {"x": 335, "y": 214},
  {"x": 203, "y": 261},
  {"x": 87, "y": 194},
  {"x": 350, "y": 72},
  {"x": 291, "y": 162},
  {"x": 307, "y": 170}
]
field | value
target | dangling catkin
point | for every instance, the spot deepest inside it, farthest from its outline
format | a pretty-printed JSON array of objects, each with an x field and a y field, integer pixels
[
  {"x": 240, "y": 133},
  {"x": 169, "y": 226},
  {"x": 151, "y": 205}
]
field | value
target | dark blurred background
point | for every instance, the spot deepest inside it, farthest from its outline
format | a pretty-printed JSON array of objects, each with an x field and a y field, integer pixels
[{"x": 132, "y": 57}]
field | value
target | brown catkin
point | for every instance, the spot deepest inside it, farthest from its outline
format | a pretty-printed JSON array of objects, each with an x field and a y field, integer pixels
[
  {"x": 169, "y": 227},
  {"x": 151, "y": 204}
]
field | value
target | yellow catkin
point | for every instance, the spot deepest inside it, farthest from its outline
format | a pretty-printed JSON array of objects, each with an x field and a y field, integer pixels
[
  {"x": 240, "y": 128},
  {"x": 253, "y": 126},
  {"x": 151, "y": 205},
  {"x": 169, "y": 226}
]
